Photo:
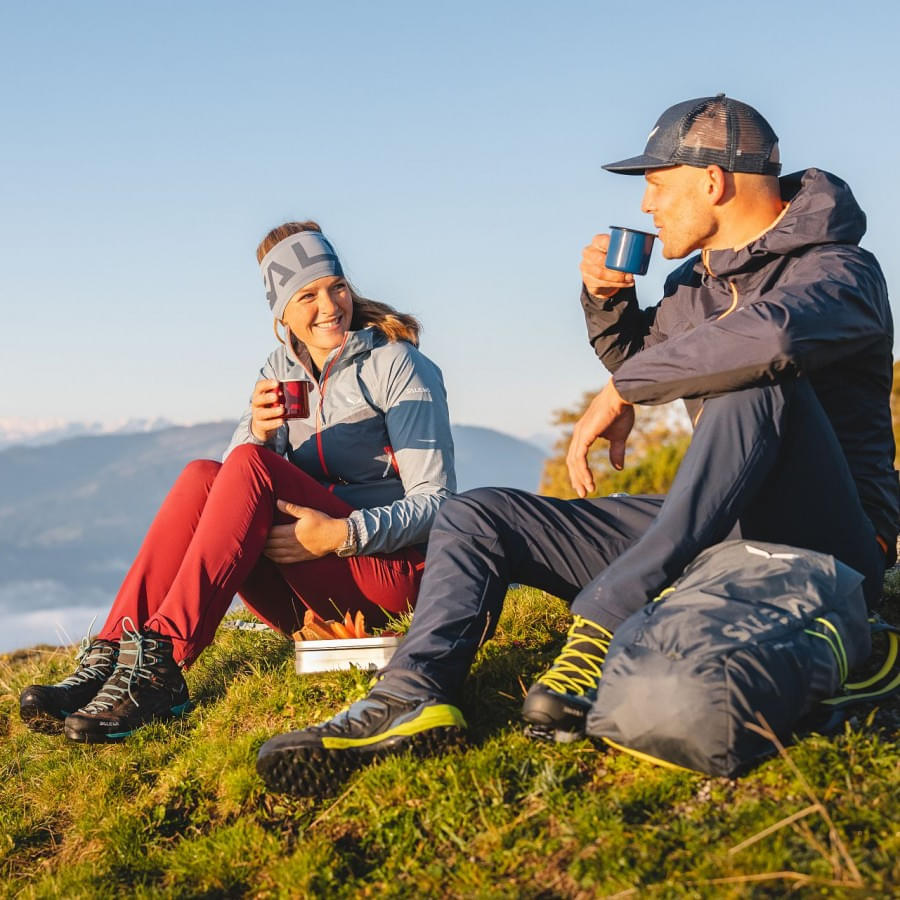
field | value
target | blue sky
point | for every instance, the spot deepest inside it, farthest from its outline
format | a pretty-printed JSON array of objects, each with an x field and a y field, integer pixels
[{"x": 452, "y": 154}]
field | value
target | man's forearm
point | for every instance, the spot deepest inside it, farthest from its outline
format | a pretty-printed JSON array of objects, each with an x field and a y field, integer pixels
[{"x": 617, "y": 327}]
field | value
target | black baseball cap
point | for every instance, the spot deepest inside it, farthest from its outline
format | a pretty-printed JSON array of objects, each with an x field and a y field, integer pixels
[{"x": 717, "y": 131}]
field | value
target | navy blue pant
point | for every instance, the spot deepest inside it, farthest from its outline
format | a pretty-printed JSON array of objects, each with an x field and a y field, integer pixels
[{"x": 764, "y": 464}]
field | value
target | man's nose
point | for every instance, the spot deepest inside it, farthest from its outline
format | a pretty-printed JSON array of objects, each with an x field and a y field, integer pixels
[{"x": 645, "y": 203}]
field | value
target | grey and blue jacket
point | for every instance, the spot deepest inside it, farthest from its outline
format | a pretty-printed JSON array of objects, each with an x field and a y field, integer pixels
[
  {"x": 802, "y": 299},
  {"x": 378, "y": 434}
]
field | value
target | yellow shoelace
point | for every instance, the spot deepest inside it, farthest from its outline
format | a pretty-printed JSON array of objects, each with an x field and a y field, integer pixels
[{"x": 578, "y": 671}]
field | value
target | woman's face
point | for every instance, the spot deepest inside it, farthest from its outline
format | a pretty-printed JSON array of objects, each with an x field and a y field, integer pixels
[{"x": 319, "y": 315}]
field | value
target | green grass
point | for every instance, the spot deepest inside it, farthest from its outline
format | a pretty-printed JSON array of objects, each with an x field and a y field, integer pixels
[{"x": 178, "y": 811}]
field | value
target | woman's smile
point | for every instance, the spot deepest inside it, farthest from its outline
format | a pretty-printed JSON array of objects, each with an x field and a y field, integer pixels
[
  {"x": 319, "y": 315},
  {"x": 330, "y": 324}
]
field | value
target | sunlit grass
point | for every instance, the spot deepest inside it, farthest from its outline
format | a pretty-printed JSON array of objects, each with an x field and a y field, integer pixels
[{"x": 178, "y": 811}]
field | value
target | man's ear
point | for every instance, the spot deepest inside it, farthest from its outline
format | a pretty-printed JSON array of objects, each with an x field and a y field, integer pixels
[{"x": 716, "y": 184}]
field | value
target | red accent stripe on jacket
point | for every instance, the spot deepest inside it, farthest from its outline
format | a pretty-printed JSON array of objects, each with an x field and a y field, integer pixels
[{"x": 390, "y": 452}]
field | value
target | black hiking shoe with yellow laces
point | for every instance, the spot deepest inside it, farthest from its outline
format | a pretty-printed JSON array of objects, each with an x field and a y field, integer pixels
[
  {"x": 146, "y": 685},
  {"x": 557, "y": 704},
  {"x": 44, "y": 707},
  {"x": 396, "y": 715}
]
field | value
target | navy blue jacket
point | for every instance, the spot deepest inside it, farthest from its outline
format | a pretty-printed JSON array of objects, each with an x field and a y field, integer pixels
[{"x": 802, "y": 299}]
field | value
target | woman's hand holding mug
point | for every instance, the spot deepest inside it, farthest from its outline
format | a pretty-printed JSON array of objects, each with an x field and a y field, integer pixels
[{"x": 267, "y": 410}]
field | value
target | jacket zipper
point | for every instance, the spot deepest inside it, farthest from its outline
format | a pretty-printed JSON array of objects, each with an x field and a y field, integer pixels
[
  {"x": 704, "y": 256},
  {"x": 325, "y": 375}
]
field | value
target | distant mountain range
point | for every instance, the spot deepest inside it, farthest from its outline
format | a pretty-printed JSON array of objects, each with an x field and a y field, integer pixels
[
  {"x": 34, "y": 432},
  {"x": 73, "y": 513}
]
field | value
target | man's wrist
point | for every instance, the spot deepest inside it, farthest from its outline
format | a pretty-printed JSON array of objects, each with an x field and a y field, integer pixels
[
  {"x": 616, "y": 398},
  {"x": 618, "y": 295},
  {"x": 602, "y": 293}
]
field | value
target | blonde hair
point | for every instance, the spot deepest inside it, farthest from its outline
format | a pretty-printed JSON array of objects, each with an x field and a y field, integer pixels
[{"x": 395, "y": 326}]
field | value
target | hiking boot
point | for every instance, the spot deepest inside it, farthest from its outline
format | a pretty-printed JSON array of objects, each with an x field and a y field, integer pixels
[
  {"x": 44, "y": 707},
  {"x": 146, "y": 685},
  {"x": 388, "y": 720},
  {"x": 557, "y": 704}
]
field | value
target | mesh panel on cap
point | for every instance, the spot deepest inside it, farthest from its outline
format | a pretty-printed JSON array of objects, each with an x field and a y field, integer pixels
[{"x": 727, "y": 133}]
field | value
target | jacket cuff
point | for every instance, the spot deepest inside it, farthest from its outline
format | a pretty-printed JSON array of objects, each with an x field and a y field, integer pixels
[
  {"x": 350, "y": 547},
  {"x": 623, "y": 392},
  {"x": 622, "y": 295},
  {"x": 278, "y": 443},
  {"x": 358, "y": 523}
]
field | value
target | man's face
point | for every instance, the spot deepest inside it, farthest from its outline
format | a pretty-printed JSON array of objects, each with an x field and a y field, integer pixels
[{"x": 678, "y": 199}]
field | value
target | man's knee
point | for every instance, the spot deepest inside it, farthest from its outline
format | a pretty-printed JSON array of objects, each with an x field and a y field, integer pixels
[
  {"x": 753, "y": 415},
  {"x": 766, "y": 400},
  {"x": 476, "y": 511}
]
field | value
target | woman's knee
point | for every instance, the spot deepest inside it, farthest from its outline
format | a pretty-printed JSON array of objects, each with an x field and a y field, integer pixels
[
  {"x": 256, "y": 459},
  {"x": 200, "y": 471},
  {"x": 244, "y": 453}
]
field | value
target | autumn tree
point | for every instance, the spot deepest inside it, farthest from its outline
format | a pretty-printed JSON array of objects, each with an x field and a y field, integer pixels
[{"x": 655, "y": 448}]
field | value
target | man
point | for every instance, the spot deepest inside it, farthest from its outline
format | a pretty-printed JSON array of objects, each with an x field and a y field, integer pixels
[{"x": 778, "y": 336}]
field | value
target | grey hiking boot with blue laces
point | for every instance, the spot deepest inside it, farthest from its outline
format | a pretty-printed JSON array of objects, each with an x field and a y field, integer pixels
[
  {"x": 401, "y": 712},
  {"x": 557, "y": 704},
  {"x": 146, "y": 685},
  {"x": 44, "y": 707}
]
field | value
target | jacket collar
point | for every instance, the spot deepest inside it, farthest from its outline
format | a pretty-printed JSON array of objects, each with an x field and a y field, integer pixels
[
  {"x": 822, "y": 210},
  {"x": 356, "y": 343}
]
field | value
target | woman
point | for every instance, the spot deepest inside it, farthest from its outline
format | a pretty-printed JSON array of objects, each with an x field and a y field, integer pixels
[{"x": 325, "y": 512}]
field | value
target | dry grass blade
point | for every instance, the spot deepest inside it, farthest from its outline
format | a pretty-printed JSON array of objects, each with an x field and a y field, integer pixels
[
  {"x": 518, "y": 820},
  {"x": 522, "y": 685},
  {"x": 783, "y": 823},
  {"x": 322, "y": 815},
  {"x": 803, "y": 829},
  {"x": 800, "y": 877},
  {"x": 765, "y": 730}
]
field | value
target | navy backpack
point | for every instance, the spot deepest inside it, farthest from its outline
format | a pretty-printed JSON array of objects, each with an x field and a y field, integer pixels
[{"x": 749, "y": 628}]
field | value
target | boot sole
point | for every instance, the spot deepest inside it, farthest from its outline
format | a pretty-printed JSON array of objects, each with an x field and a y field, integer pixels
[
  {"x": 553, "y": 735},
  {"x": 41, "y": 721},
  {"x": 554, "y": 717},
  {"x": 84, "y": 736},
  {"x": 312, "y": 771}
]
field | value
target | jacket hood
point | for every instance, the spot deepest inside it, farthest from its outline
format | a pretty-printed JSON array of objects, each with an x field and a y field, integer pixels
[{"x": 822, "y": 210}]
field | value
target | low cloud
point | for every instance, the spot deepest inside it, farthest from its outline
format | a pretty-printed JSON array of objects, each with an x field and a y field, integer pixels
[{"x": 49, "y": 626}]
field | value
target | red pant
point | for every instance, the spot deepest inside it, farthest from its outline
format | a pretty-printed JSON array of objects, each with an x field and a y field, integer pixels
[{"x": 205, "y": 545}]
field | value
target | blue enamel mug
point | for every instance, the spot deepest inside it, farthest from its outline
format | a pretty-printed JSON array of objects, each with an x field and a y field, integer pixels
[{"x": 629, "y": 250}]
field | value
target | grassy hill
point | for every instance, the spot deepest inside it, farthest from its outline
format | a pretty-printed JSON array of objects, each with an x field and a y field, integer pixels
[{"x": 178, "y": 811}]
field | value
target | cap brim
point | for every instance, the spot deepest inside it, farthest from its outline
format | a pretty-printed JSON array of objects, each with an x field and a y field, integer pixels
[{"x": 637, "y": 165}]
